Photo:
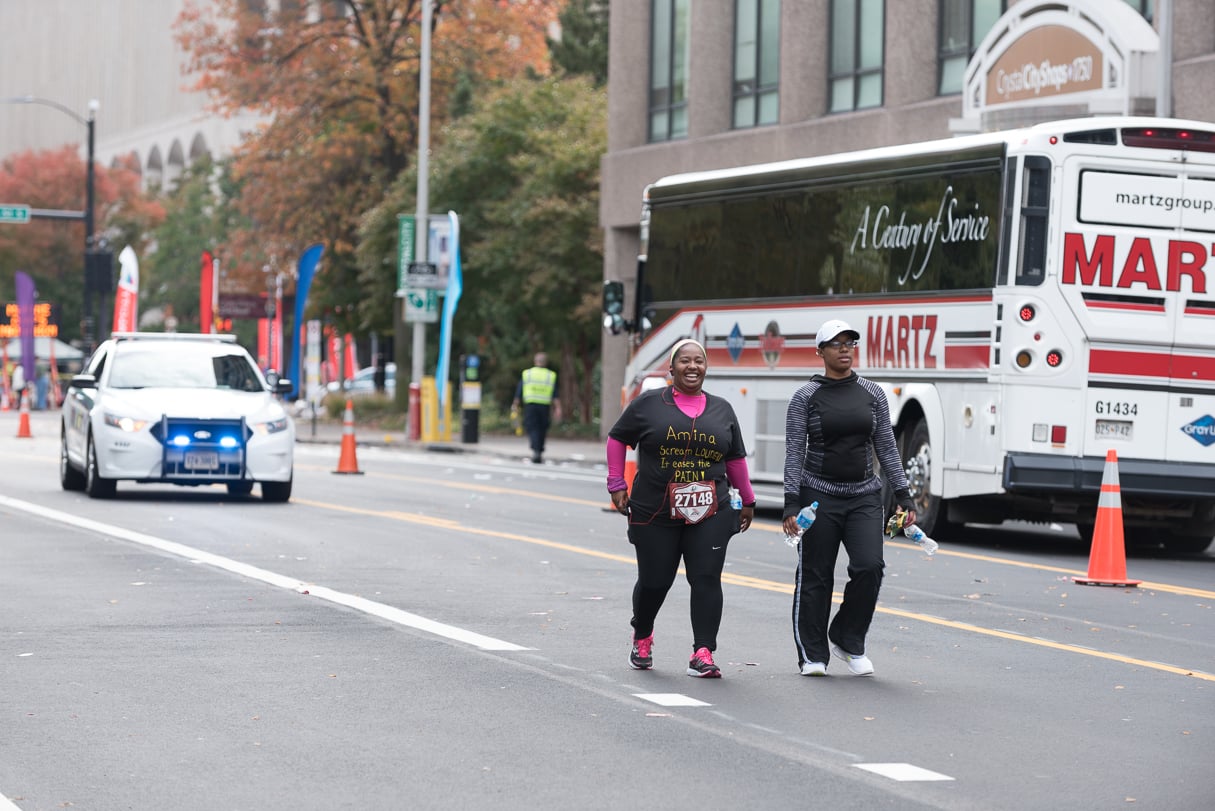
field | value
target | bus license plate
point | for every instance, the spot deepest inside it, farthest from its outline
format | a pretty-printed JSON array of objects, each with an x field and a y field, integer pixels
[
  {"x": 202, "y": 461},
  {"x": 1114, "y": 429}
]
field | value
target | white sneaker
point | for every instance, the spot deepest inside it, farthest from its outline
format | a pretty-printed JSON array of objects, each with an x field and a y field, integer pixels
[
  {"x": 814, "y": 669},
  {"x": 857, "y": 665}
]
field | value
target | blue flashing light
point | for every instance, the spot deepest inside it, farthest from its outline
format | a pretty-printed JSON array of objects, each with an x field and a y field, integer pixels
[
  {"x": 228, "y": 442},
  {"x": 181, "y": 440}
]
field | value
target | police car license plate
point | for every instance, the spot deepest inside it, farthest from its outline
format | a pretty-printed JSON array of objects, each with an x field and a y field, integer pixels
[
  {"x": 202, "y": 461},
  {"x": 1114, "y": 429}
]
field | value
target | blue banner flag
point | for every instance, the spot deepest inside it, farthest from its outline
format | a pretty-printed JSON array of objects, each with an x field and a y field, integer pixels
[
  {"x": 305, "y": 270},
  {"x": 455, "y": 286}
]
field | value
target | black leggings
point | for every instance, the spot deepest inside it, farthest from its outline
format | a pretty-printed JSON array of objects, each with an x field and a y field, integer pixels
[{"x": 702, "y": 546}]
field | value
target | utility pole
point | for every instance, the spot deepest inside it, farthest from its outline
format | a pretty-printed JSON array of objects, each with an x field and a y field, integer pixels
[{"x": 421, "y": 240}]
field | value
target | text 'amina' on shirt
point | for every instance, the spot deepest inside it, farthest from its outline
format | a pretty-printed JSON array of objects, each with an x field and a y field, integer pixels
[
  {"x": 834, "y": 427},
  {"x": 673, "y": 447}
]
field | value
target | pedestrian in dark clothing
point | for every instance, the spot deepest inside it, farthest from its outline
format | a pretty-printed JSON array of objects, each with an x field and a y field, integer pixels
[
  {"x": 833, "y": 426},
  {"x": 537, "y": 391},
  {"x": 689, "y": 453}
]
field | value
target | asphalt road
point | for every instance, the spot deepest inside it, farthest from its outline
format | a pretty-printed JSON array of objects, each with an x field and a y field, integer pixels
[{"x": 450, "y": 631}]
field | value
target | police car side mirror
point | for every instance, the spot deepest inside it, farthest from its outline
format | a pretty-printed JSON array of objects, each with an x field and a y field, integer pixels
[{"x": 83, "y": 382}]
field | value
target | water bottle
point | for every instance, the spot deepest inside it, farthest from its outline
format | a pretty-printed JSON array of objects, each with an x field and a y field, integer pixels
[
  {"x": 804, "y": 519},
  {"x": 735, "y": 499},
  {"x": 917, "y": 536}
]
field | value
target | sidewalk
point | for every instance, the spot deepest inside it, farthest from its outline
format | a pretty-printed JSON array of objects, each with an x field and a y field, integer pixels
[{"x": 557, "y": 450}]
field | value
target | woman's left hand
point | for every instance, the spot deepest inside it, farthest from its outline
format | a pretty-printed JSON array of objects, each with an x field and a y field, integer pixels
[{"x": 745, "y": 516}]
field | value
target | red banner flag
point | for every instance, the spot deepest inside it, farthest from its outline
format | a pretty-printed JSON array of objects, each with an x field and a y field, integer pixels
[
  {"x": 126, "y": 298},
  {"x": 206, "y": 292}
]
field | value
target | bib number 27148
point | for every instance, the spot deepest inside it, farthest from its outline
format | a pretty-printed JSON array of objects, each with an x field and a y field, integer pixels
[{"x": 692, "y": 501}]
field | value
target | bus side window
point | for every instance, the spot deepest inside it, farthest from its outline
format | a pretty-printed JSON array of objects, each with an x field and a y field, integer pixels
[{"x": 1035, "y": 206}]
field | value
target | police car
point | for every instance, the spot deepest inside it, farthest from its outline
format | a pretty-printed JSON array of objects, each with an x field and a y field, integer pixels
[{"x": 179, "y": 409}]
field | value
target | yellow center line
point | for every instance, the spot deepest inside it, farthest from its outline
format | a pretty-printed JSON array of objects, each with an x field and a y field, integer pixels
[
  {"x": 1147, "y": 585},
  {"x": 757, "y": 583}
]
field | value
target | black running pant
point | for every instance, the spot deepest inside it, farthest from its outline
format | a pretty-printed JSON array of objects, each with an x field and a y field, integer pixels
[
  {"x": 536, "y": 420},
  {"x": 702, "y": 547},
  {"x": 857, "y": 522}
]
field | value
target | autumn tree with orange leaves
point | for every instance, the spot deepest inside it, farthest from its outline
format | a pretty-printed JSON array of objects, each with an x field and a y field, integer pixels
[
  {"x": 52, "y": 251},
  {"x": 340, "y": 97}
]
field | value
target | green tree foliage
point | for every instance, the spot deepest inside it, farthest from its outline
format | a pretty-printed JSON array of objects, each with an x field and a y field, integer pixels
[
  {"x": 582, "y": 49},
  {"x": 198, "y": 217},
  {"x": 340, "y": 95},
  {"x": 52, "y": 251},
  {"x": 522, "y": 171}
]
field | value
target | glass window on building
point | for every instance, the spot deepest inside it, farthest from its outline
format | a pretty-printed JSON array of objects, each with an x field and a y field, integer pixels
[
  {"x": 857, "y": 53},
  {"x": 1144, "y": 7},
  {"x": 756, "y": 62},
  {"x": 668, "y": 69},
  {"x": 964, "y": 23}
]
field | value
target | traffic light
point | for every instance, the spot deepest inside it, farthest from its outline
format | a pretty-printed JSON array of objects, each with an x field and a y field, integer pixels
[
  {"x": 99, "y": 270},
  {"x": 613, "y": 307}
]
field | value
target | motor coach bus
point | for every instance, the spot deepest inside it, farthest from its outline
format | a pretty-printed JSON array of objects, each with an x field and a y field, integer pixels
[{"x": 1028, "y": 300}]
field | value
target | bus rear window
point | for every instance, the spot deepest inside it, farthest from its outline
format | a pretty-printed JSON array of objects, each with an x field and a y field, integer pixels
[{"x": 1169, "y": 138}]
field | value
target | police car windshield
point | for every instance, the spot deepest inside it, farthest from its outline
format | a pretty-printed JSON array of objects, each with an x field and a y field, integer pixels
[{"x": 180, "y": 368}]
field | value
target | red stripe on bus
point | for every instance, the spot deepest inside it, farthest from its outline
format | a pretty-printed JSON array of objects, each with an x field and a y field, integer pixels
[
  {"x": 1152, "y": 364},
  {"x": 1199, "y": 310},
  {"x": 967, "y": 357},
  {"x": 1125, "y": 306}
]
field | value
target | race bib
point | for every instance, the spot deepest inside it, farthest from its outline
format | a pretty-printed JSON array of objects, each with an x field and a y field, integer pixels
[{"x": 692, "y": 501}]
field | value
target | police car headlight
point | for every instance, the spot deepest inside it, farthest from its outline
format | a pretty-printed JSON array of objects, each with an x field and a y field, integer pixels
[
  {"x": 270, "y": 427},
  {"x": 128, "y": 424}
]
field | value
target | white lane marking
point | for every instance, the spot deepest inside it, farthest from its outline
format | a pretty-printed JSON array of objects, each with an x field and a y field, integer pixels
[
  {"x": 672, "y": 700},
  {"x": 903, "y": 772},
  {"x": 5, "y": 805},
  {"x": 385, "y": 612}
]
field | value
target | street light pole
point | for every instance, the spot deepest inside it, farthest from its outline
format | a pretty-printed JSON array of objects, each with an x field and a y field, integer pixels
[
  {"x": 89, "y": 192},
  {"x": 89, "y": 203}
]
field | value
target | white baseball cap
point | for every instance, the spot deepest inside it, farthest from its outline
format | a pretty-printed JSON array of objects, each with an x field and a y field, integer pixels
[{"x": 833, "y": 328}]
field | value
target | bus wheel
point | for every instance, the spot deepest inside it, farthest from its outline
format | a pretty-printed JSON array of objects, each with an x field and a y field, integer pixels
[
  {"x": 1185, "y": 544},
  {"x": 917, "y": 465}
]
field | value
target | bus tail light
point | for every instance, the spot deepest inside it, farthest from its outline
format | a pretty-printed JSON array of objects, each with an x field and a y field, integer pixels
[
  {"x": 1054, "y": 358},
  {"x": 1024, "y": 359},
  {"x": 1027, "y": 313},
  {"x": 1057, "y": 433}
]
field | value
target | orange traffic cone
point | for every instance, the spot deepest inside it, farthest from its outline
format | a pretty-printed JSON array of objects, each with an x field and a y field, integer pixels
[
  {"x": 347, "y": 461},
  {"x": 23, "y": 423},
  {"x": 1107, "y": 559}
]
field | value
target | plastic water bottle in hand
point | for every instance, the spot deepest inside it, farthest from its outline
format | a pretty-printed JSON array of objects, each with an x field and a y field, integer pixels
[
  {"x": 804, "y": 519},
  {"x": 735, "y": 499},
  {"x": 917, "y": 536}
]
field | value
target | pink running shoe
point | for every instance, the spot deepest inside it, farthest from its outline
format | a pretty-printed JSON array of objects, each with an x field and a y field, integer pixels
[
  {"x": 640, "y": 658},
  {"x": 701, "y": 666}
]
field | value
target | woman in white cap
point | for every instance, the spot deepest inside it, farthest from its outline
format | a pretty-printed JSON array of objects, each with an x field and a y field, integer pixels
[
  {"x": 689, "y": 452},
  {"x": 833, "y": 427}
]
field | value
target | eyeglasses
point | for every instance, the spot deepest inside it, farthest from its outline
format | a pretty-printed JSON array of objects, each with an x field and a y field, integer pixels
[{"x": 853, "y": 344}]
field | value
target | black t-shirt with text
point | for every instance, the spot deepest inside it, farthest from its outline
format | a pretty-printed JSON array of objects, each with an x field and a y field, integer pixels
[{"x": 673, "y": 447}]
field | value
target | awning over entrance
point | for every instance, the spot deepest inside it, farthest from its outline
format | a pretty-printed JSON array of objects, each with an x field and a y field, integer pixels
[{"x": 1045, "y": 59}]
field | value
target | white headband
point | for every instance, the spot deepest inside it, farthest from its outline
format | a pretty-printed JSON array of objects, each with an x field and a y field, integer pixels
[{"x": 680, "y": 344}]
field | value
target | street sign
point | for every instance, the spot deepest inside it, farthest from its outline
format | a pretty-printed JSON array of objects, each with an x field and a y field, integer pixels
[
  {"x": 425, "y": 276},
  {"x": 421, "y": 307},
  {"x": 13, "y": 213}
]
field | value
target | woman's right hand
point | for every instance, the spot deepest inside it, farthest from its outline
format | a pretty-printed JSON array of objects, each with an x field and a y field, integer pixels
[
  {"x": 790, "y": 526},
  {"x": 620, "y": 500}
]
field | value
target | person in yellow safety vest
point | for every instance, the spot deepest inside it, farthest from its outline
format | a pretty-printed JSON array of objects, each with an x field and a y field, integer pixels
[{"x": 537, "y": 390}]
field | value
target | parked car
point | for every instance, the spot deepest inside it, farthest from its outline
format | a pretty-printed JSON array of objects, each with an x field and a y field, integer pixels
[
  {"x": 175, "y": 408},
  {"x": 363, "y": 382}
]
